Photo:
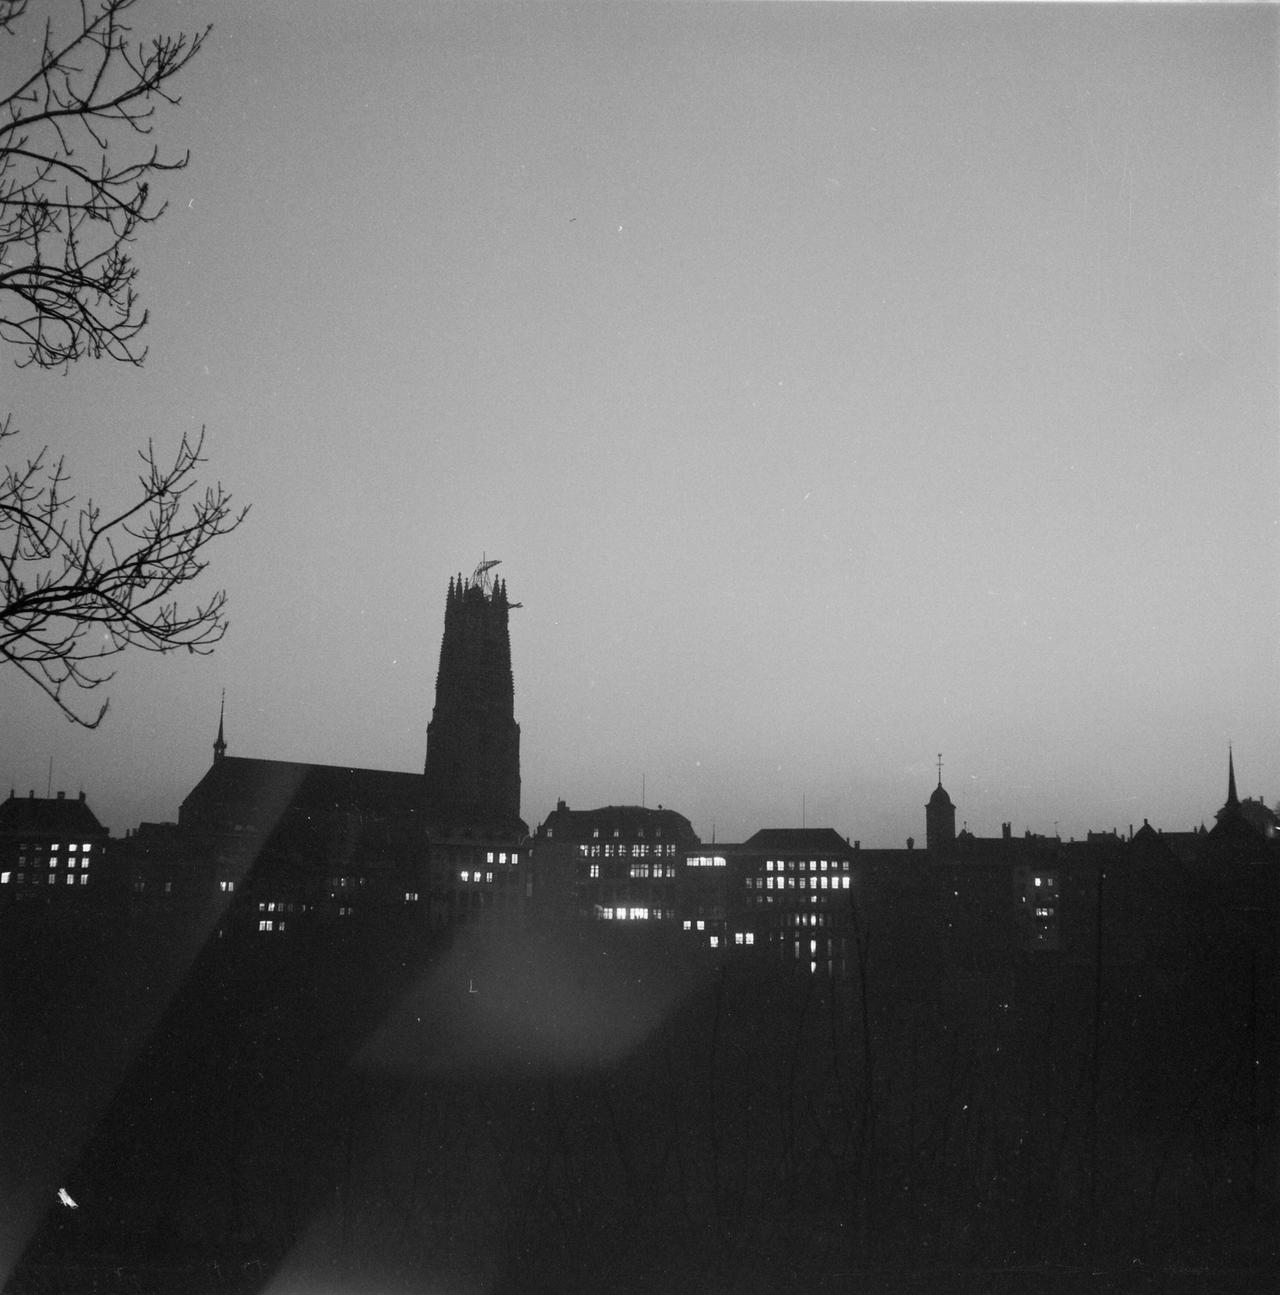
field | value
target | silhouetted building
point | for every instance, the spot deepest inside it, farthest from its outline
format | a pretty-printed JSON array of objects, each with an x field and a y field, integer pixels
[
  {"x": 617, "y": 864},
  {"x": 52, "y": 849},
  {"x": 473, "y": 741}
]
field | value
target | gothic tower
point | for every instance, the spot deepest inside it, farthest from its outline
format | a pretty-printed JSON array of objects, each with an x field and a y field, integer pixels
[{"x": 473, "y": 740}]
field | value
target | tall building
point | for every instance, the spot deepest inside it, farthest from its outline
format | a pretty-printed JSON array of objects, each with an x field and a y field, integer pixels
[{"x": 473, "y": 741}]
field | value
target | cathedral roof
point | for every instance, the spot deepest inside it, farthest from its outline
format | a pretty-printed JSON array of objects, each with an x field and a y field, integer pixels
[{"x": 239, "y": 793}]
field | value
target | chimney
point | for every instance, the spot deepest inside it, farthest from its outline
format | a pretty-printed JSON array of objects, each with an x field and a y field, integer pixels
[{"x": 62, "y": 795}]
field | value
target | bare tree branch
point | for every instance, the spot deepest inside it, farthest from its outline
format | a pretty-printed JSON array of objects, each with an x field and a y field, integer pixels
[
  {"x": 78, "y": 587},
  {"x": 70, "y": 203}
]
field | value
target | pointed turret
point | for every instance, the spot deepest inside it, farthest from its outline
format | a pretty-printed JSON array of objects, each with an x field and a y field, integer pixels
[
  {"x": 220, "y": 742},
  {"x": 1232, "y": 798}
]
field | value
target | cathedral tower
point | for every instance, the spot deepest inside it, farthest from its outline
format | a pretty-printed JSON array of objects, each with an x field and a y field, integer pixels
[{"x": 473, "y": 740}]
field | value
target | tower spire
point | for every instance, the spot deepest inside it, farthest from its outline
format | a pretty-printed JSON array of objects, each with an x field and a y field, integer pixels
[
  {"x": 1232, "y": 799},
  {"x": 939, "y": 768},
  {"x": 220, "y": 742}
]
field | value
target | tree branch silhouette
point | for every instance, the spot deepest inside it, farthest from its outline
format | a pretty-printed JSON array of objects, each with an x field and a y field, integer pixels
[{"x": 80, "y": 585}]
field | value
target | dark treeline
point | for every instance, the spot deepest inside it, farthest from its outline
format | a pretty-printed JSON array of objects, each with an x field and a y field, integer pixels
[{"x": 581, "y": 1109}]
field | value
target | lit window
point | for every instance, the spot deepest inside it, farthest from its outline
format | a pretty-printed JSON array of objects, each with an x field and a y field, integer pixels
[
  {"x": 4, "y": 878},
  {"x": 488, "y": 876},
  {"x": 54, "y": 848},
  {"x": 515, "y": 858},
  {"x": 595, "y": 870},
  {"x": 265, "y": 925},
  {"x": 72, "y": 848},
  {"x": 86, "y": 847},
  {"x": 84, "y": 863},
  {"x": 751, "y": 937},
  {"x": 84, "y": 877},
  {"x": 582, "y": 850},
  {"x": 71, "y": 880},
  {"x": 595, "y": 833},
  {"x": 702, "y": 926},
  {"x": 687, "y": 924},
  {"x": 410, "y": 896},
  {"x": 489, "y": 857},
  {"x": 715, "y": 941}
]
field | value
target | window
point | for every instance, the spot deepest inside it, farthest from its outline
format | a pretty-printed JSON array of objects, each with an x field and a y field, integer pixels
[
  {"x": 595, "y": 870},
  {"x": 227, "y": 887},
  {"x": 71, "y": 879},
  {"x": 84, "y": 877},
  {"x": 410, "y": 896},
  {"x": 706, "y": 861},
  {"x": 72, "y": 848},
  {"x": 4, "y": 878},
  {"x": 86, "y": 847},
  {"x": 266, "y": 925}
]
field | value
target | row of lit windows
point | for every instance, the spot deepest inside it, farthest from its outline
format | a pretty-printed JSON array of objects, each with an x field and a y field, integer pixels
[
  {"x": 20, "y": 879},
  {"x": 705, "y": 861},
  {"x": 502, "y": 857},
  {"x": 622, "y": 851},
  {"x": 471, "y": 877},
  {"x": 280, "y": 906},
  {"x": 801, "y": 883},
  {"x": 38, "y": 847},
  {"x": 595, "y": 832},
  {"x": 655, "y": 870},
  {"x": 806, "y": 865},
  {"x": 635, "y": 913}
]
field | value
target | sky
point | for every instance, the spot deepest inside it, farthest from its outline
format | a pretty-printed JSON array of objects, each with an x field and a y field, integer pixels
[{"x": 839, "y": 385}]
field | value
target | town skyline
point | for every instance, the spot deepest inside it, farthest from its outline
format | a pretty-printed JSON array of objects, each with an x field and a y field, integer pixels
[{"x": 838, "y": 384}]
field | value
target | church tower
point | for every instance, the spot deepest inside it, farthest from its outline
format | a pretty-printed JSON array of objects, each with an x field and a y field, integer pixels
[
  {"x": 473, "y": 741},
  {"x": 940, "y": 819}
]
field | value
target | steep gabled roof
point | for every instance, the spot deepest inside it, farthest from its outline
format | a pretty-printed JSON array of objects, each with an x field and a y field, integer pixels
[{"x": 239, "y": 793}]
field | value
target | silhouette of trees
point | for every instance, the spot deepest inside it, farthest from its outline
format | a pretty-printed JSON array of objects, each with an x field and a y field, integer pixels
[{"x": 79, "y": 585}]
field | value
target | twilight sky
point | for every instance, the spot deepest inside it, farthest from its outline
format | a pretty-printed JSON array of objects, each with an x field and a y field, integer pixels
[{"x": 839, "y": 385}]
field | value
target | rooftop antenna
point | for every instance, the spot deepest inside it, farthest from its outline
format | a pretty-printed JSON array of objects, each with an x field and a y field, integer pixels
[
  {"x": 48, "y": 793},
  {"x": 939, "y": 768},
  {"x": 802, "y": 810},
  {"x": 642, "y": 801}
]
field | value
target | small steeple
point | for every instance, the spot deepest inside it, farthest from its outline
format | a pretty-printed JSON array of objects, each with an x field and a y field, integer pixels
[
  {"x": 1232, "y": 799},
  {"x": 220, "y": 742}
]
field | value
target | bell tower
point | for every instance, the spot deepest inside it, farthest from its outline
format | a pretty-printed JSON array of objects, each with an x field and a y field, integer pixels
[
  {"x": 473, "y": 741},
  {"x": 940, "y": 819}
]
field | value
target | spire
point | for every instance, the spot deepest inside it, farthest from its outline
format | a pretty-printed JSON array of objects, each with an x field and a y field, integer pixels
[
  {"x": 1232, "y": 799},
  {"x": 220, "y": 742},
  {"x": 939, "y": 768}
]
